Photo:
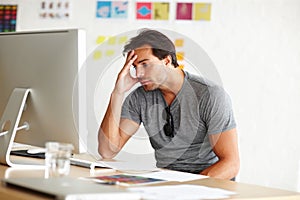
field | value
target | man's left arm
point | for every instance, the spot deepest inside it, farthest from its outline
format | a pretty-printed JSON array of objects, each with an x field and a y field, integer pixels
[{"x": 225, "y": 146}]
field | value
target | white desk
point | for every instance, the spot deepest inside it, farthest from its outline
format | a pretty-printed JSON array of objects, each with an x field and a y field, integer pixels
[{"x": 244, "y": 191}]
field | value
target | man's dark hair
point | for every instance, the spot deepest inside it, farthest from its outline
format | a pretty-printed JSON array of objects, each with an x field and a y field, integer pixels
[{"x": 161, "y": 45}]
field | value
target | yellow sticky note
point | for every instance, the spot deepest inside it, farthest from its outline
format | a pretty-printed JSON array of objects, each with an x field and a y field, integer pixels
[
  {"x": 112, "y": 40},
  {"x": 100, "y": 39},
  {"x": 181, "y": 66},
  {"x": 123, "y": 39},
  {"x": 179, "y": 42},
  {"x": 109, "y": 52},
  {"x": 180, "y": 56},
  {"x": 97, "y": 55},
  {"x": 202, "y": 11}
]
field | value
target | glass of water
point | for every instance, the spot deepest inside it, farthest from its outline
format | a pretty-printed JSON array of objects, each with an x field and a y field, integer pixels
[{"x": 57, "y": 159}]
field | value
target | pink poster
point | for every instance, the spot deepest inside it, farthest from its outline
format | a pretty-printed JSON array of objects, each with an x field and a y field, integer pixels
[{"x": 184, "y": 11}]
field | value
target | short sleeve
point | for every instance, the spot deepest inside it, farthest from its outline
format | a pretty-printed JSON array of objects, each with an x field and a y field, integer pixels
[
  {"x": 131, "y": 108},
  {"x": 217, "y": 110}
]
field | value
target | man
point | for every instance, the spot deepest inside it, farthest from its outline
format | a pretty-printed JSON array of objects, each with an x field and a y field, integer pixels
[{"x": 189, "y": 120}]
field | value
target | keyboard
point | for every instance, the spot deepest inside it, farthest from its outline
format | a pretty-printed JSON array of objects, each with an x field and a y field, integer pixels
[{"x": 80, "y": 162}]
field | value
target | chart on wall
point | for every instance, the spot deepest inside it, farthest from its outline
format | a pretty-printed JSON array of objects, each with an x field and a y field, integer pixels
[
  {"x": 8, "y": 18},
  {"x": 50, "y": 9}
]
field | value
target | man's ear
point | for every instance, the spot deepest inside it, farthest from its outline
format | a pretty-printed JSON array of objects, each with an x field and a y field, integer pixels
[{"x": 167, "y": 60}]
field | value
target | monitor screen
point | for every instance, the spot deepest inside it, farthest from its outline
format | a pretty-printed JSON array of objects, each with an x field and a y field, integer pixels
[{"x": 48, "y": 63}]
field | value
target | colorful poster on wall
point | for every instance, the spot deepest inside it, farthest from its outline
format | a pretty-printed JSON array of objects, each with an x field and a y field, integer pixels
[
  {"x": 193, "y": 11},
  {"x": 202, "y": 11},
  {"x": 184, "y": 11},
  {"x": 8, "y": 18},
  {"x": 152, "y": 10},
  {"x": 143, "y": 10},
  {"x": 161, "y": 11},
  {"x": 112, "y": 9},
  {"x": 59, "y": 9}
]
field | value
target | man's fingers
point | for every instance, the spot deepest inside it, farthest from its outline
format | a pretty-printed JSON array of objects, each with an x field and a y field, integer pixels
[
  {"x": 130, "y": 62},
  {"x": 130, "y": 54}
]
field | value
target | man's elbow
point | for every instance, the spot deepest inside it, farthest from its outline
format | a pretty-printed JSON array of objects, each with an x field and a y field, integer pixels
[
  {"x": 235, "y": 166},
  {"x": 105, "y": 149},
  {"x": 105, "y": 153}
]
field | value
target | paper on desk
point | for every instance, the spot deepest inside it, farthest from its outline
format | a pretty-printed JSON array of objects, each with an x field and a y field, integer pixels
[
  {"x": 129, "y": 167},
  {"x": 181, "y": 192},
  {"x": 169, "y": 175}
]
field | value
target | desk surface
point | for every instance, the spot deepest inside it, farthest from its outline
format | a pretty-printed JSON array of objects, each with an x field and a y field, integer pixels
[{"x": 244, "y": 191}]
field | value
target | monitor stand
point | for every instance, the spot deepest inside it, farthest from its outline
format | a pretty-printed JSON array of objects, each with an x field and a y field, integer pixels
[{"x": 9, "y": 125}]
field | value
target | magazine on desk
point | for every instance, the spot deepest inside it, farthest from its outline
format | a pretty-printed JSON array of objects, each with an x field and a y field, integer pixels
[
  {"x": 125, "y": 180},
  {"x": 144, "y": 174}
]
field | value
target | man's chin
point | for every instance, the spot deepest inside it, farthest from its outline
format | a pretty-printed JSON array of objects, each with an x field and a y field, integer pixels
[{"x": 148, "y": 87}]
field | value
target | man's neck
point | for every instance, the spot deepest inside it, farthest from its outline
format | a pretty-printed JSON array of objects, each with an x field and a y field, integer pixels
[{"x": 173, "y": 85}]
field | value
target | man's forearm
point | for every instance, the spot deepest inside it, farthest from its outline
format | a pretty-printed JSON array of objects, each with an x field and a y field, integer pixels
[
  {"x": 109, "y": 138},
  {"x": 223, "y": 169}
]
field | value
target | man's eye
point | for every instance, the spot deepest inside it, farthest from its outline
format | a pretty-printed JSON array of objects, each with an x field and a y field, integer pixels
[{"x": 145, "y": 65}]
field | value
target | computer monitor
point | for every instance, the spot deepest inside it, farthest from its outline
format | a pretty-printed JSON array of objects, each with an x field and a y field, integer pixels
[{"x": 48, "y": 63}]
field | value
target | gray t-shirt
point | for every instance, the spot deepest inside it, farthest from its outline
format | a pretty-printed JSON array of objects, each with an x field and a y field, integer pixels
[{"x": 200, "y": 108}]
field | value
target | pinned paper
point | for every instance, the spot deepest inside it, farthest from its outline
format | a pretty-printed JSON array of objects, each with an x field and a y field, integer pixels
[
  {"x": 180, "y": 56},
  {"x": 112, "y": 40},
  {"x": 112, "y": 9},
  {"x": 100, "y": 39},
  {"x": 202, "y": 11},
  {"x": 59, "y": 9},
  {"x": 179, "y": 42},
  {"x": 161, "y": 11},
  {"x": 143, "y": 10},
  {"x": 8, "y": 18},
  {"x": 109, "y": 52},
  {"x": 123, "y": 39},
  {"x": 97, "y": 55},
  {"x": 119, "y": 9},
  {"x": 184, "y": 11},
  {"x": 103, "y": 9}
]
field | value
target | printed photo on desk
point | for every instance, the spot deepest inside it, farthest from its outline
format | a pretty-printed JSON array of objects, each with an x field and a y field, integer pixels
[{"x": 126, "y": 180}]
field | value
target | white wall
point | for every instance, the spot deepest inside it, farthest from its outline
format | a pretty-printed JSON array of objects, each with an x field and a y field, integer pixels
[{"x": 255, "y": 46}]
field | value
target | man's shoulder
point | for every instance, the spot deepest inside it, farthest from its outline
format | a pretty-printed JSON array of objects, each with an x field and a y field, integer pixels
[
  {"x": 204, "y": 86},
  {"x": 200, "y": 81}
]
